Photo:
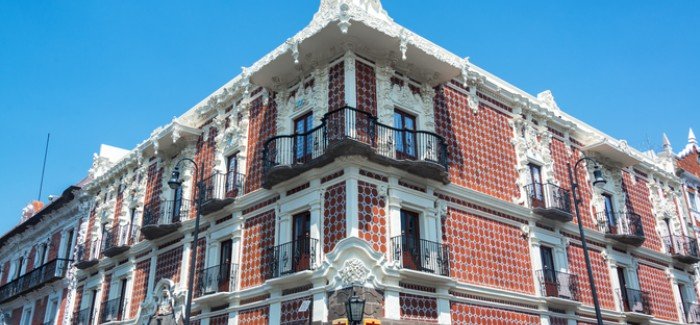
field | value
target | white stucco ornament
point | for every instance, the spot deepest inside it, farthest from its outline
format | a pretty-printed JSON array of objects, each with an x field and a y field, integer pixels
[
  {"x": 547, "y": 98},
  {"x": 353, "y": 272}
]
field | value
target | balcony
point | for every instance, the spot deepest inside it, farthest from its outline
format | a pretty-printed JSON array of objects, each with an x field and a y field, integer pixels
[
  {"x": 83, "y": 317},
  {"x": 220, "y": 190},
  {"x": 111, "y": 310},
  {"x": 347, "y": 132},
  {"x": 691, "y": 313},
  {"x": 634, "y": 301},
  {"x": 34, "y": 279},
  {"x": 550, "y": 201},
  {"x": 216, "y": 279},
  {"x": 683, "y": 248},
  {"x": 624, "y": 227},
  {"x": 558, "y": 284},
  {"x": 165, "y": 218},
  {"x": 292, "y": 257},
  {"x": 116, "y": 243},
  {"x": 85, "y": 261},
  {"x": 421, "y": 255}
]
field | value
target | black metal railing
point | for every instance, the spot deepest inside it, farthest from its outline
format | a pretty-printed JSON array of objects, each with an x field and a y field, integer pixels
[
  {"x": 352, "y": 124},
  {"x": 620, "y": 223},
  {"x": 634, "y": 300},
  {"x": 220, "y": 278},
  {"x": 83, "y": 317},
  {"x": 691, "y": 312},
  {"x": 50, "y": 271},
  {"x": 558, "y": 284},
  {"x": 112, "y": 310},
  {"x": 109, "y": 240},
  {"x": 421, "y": 255},
  {"x": 220, "y": 186},
  {"x": 549, "y": 197},
  {"x": 291, "y": 257},
  {"x": 682, "y": 245},
  {"x": 167, "y": 212}
]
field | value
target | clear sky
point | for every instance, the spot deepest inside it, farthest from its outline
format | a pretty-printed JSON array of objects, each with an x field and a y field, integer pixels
[{"x": 111, "y": 71}]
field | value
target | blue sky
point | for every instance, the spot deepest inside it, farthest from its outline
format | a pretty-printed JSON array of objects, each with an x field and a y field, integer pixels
[{"x": 93, "y": 72}]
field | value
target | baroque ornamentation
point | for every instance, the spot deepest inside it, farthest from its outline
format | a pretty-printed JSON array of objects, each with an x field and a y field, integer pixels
[{"x": 353, "y": 272}]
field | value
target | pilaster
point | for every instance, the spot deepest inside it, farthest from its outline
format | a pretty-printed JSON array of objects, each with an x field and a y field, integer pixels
[
  {"x": 350, "y": 82},
  {"x": 351, "y": 202}
]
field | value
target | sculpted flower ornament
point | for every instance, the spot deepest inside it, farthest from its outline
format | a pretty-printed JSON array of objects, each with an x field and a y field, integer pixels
[{"x": 353, "y": 272}]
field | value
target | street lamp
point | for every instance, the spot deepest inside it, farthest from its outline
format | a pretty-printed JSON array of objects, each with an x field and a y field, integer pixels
[
  {"x": 175, "y": 183},
  {"x": 355, "y": 308},
  {"x": 598, "y": 181}
]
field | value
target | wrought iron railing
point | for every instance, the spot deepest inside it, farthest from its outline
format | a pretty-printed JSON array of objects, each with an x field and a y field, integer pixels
[
  {"x": 620, "y": 223},
  {"x": 691, "y": 312},
  {"x": 558, "y": 284},
  {"x": 291, "y": 257},
  {"x": 421, "y": 255},
  {"x": 219, "y": 186},
  {"x": 634, "y": 300},
  {"x": 83, "y": 317},
  {"x": 682, "y": 245},
  {"x": 53, "y": 270},
  {"x": 112, "y": 310},
  {"x": 548, "y": 196},
  {"x": 167, "y": 212},
  {"x": 220, "y": 278},
  {"x": 352, "y": 124}
]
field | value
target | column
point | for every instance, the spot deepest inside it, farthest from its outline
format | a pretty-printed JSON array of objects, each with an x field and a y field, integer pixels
[
  {"x": 316, "y": 224},
  {"x": 186, "y": 262},
  {"x": 536, "y": 259},
  {"x": 443, "y": 306},
  {"x": 275, "y": 307},
  {"x": 392, "y": 304},
  {"x": 351, "y": 203},
  {"x": 350, "y": 82},
  {"x": 614, "y": 282},
  {"x": 320, "y": 303}
]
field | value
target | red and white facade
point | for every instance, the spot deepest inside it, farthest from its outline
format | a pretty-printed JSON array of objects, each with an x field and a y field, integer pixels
[{"x": 360, "y": 157}]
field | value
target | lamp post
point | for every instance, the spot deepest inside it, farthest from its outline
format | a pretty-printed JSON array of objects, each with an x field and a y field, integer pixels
[
  {"x": 598, "y": 182},
  {"x": 355, "y": 308},
  {"x": 175, "y": 183}
]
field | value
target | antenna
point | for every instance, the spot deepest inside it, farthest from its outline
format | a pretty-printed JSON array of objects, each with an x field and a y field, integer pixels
[{"x": 43, "y": 168}]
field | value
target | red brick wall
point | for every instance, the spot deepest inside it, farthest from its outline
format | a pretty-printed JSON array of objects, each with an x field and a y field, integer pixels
[
  {"x": 577, "y": 266},
  {"x": 291, "y": 314},
  {"x": 63, "y": 306},
  {"x": 418, "y": 308},
  {"x": 117, "y": 212},
  {"x": 487, "y": 252},
  {"x": 656, "y": 283},
  {"x": 138, "y": 294},
  {"x": 5, "y": 272},
  {"x": 88, "y": 234},
  {"x": 54, "y": 246},
  {"x": 371, "y": 216},
  {"x": 463, "y": 314},
  {"x": 78, "y": 299},
  {"x": 690, "y": 163},
  {"x": 204, "y": 157},
  {"x": 154, "y": 186},
  {"x": 336, "y": 86},
  {"x": 333, "y": 216},
  {"x": 479, "y": 146},
  {"x": 106, "y": 287},
  {"x": 258, "y": 237},
  {"x": 16, "y": 316},
  {"x": 366, "y": 91},
  {"x": 256, "y": 316},
  {"x": 40, "y": 311},
  {"x": 30, "y": 259},
  {"x": 168, "y": 265},
  {"x": 199, "y": 265},
  {"x": 262, "y": 126},
  {"x": 638, "y": 201},
  {"x": 561, "y": 173}
]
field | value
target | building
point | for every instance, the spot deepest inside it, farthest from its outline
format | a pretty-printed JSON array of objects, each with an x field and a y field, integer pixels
[{"x": 360, "y": 158}]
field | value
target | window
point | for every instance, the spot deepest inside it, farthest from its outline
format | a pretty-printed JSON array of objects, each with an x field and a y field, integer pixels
[
  {"x": 301, "y": 233},
  {"x": 20, "y": 264},
  {"x": 232, "y": 181},
  {"x": 549, "y": 274},
  {"x": 622, "y": 278},
  {"x": 27, "y": 317},
  {"x": 40, "y": 255},
  {"x": 177, "y": 205},
  {"x": 225, "y": 265},
  {"x": 301, "y": 227},
  {"x": 303, "y": 141},
  {"x": 122, "y": 300},
  {"x": 536, "y": 182},
  {"x": 68, "y": 253},
  {"x": 52, "y": 311},
  {"x": 692, "y": 201},
  {"x": 609, "y": 211},
  {"x": 405, "y": 139}
]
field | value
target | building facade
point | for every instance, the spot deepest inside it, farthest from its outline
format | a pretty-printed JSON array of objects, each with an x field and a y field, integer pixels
[{"x": 360, "y": 158}]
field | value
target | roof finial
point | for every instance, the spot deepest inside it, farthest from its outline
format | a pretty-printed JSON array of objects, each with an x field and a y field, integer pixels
[
  {"x": 667, "y": 143},
  {"x": 691, "y": 137}
]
